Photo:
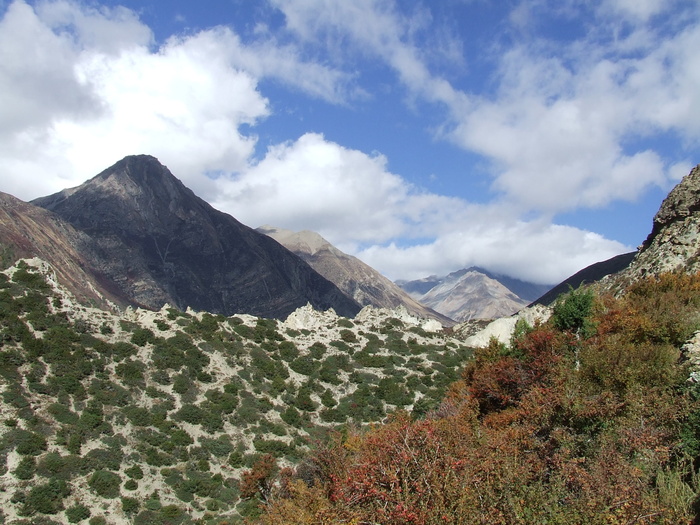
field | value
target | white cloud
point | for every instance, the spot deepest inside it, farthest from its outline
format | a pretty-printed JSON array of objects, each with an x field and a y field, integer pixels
[
  {"x": 641, "y": 10},
  {"x": 346, "y": 195},
  {"x": 561, "y": 129},
  {"x": 84, "y": 86},
  {"x": 535, "y": 251},
  {"x": 374, "y": 28}
]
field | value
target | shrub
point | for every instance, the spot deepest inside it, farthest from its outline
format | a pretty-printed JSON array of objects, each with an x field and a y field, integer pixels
[
  {"x": 29, "y": 443},
  {"x": 572, "y": 312},
  {"x": 77, "y": 513},
  {"x": 348, "y": 336},
  {"x": 25, "y": 468},
  {"x": 142, "y": 336},
  {"x": 130, "y": 505},
  {"x": 105, "y": 483},
  {"x": 134, "y": 472},
  {"x": 46, "y": 498},
  {"x": 303, "y": 365},
  {"x": 131, "y": 484}
]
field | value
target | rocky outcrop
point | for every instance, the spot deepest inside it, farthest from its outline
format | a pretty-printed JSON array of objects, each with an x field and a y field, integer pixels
[
  {"x": 356, "y": 279},
  {"x": 674, "y": 241},
  {"x": 160, "y": 243},
  {"x": 502, "y": 329}
]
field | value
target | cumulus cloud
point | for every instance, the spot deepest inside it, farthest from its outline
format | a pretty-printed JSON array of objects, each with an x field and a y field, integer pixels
[
  {"x": 561, "y": 129},
  {"x": 536, "y": 251},
  {"x": 346, "y": 195},
  {"x": 84, "y": 86}
]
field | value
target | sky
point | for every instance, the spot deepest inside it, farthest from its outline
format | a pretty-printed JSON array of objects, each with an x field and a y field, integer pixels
[{"x": 529, "y": 137}]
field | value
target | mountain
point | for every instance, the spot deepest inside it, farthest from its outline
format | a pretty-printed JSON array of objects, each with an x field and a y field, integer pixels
[
  {"x": 590, "y": 274},
  {"x": 473, "y": 293},
  {"x": 356, "y": 279},
  {"x": 159, "y": 243},
  {"x": 27, "y": 231}
]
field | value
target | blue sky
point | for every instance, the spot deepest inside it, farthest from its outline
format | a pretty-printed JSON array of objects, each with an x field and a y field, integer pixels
[{"x": 529, "y": 137}]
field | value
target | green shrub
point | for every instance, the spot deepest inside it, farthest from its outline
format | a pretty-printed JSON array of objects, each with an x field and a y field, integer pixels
[
  {"x": 288, "y": 351},
  {"x": 105, "y": 483},
  {"x": 77, "y": 513},
  {"x": 572, "y": 311},
  {"x": 134, "y": 472},
  {"x": 303, "y": 365},
  {"x": 142, "y": 336},
  {"x": 131, "y": 484},
  {"x": 25, "y": 468},
  {"x": 28, "y": 443},
  {"x": 292, "y": 417},
  {"x": 348, "y": 336},
  {"x": 130, "y": 505},
  {"x": 190, "y": 414},
  {"x": 46, "y": 498}
]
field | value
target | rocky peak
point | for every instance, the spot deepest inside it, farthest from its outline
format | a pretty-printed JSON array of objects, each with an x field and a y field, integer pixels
[
  {"x": 138, "y": 188},
  {"x": 681, "y": 203},
  {"x": 674, "y": 242}
]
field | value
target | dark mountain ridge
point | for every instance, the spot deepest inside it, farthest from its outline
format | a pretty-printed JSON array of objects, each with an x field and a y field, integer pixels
[{"x": 160, "y": 243}]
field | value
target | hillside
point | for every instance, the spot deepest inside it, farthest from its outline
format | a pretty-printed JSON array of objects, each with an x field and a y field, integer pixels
[
  {"x": 155, "y": 416},
  {"x": 156, "y": 243},
  {"x": 28, "y": 231},
  {"x": 356, "y": 279},
  {"x": 587, "y": 418}
]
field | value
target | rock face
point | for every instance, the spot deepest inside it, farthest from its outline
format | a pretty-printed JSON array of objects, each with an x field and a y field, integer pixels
[
  {"x": 473, "y": 293},
  {"x": 356, "y": 279},
  {"x": 159, "y": 243},
  {"x": 674, "y": 241}
]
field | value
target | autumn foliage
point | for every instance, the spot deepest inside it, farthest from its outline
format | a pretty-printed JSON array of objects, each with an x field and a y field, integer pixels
[{"x": 563, "y": 426}]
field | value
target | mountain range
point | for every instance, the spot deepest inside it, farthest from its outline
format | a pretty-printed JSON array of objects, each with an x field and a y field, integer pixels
[{"x": 135, "y": 235}]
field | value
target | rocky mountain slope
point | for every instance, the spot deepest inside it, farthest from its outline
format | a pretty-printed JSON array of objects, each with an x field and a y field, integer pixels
[
  {"x": 154, "y": 417},
  {"x": 356, "y": 279},
  {"x": 473, "y": 293},
  {"x": 673, "y": 243},
  {"x": 30, "y": 231},
  {"x": 159, "y": 243}
]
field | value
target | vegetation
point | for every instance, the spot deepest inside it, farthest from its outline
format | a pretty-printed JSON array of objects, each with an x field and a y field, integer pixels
[
  {"x": 97, "y": 407},
  {"x": 588, "y": 418}
]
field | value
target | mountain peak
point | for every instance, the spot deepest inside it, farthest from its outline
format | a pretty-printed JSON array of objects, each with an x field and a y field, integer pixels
[{"x": 161, "y": 243}]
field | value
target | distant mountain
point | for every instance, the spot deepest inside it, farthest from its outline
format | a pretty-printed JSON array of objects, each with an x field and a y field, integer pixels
[
  {"x": 473, "y": 293},
  {"x": 356, "y": 279},
  {"x": 158, "y": 243}
]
